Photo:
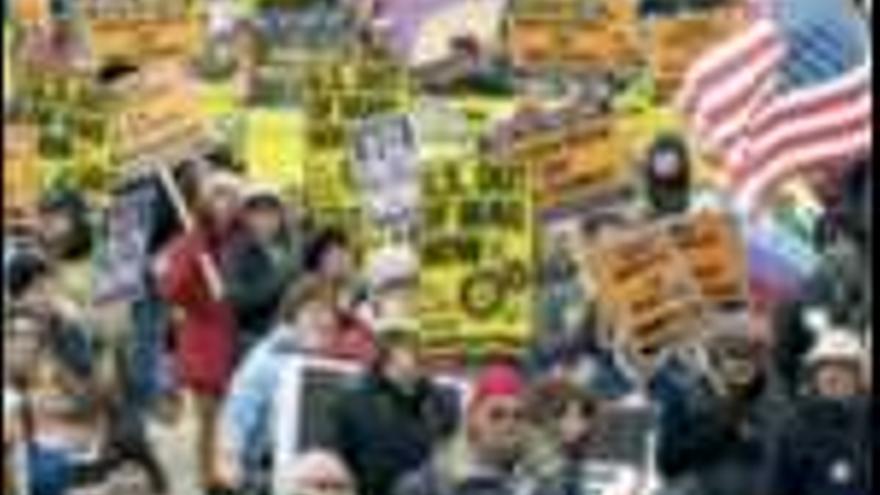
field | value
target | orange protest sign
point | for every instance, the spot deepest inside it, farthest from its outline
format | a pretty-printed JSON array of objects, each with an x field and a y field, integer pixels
[
  {"x": 31, "y": 11},
  {"x": 159, "y": 114},
  {"x": 676, "y": 42},
  {"x": 580, "y": 160},
  {"x": 715, "y": 253},
  {"x": 137, "y": 30},
  {"x": 646, "y": 291},
  {"x": 21, "y": 169}
]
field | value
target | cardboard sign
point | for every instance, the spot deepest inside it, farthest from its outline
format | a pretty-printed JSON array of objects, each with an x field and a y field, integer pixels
[
  {"x": 137, "y": 30},
  {"x": 386, "y": 169},
  {"x": 159, "y": 116},
  {"x": 476, "y": 258},
  {"x": 123, "y": 261},
  {"x": 576, "y": 162},
  {"x": 646, "y": 291},
  {"x": 676, "y": 42},
  {"x": 714, "y": 251},
  {"x": 592, "y": 34},
  {"x": 21, "y": 169}
]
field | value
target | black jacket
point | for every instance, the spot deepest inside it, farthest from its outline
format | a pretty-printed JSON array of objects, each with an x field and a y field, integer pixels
[
  {"x": 255, "y": 282},
  {"x": 383, "y": 432},
  {"x": 823, "y": 449},
  {"x": 704, "y": 443}
]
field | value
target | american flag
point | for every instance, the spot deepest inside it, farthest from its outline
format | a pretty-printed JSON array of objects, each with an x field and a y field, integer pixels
[{"x": 791, "y": 92}]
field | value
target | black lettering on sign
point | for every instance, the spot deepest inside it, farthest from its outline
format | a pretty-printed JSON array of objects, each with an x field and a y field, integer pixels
[
  {"x": 452, "y": 249},
  {"x": 435, "y": 215},
  {"x": 494, "y": 178},
  {"x": 500, "y": 213}
]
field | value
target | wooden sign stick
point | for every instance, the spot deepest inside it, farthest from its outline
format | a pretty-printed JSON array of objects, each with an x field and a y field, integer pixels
[{"x": 209, "y": 268}]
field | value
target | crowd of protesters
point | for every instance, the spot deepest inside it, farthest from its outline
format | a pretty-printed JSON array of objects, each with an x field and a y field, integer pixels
[{"x": 778, "y": 411}]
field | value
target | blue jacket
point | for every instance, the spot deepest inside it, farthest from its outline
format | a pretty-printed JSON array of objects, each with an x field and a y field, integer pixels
[{"x": 247, "y": 411}]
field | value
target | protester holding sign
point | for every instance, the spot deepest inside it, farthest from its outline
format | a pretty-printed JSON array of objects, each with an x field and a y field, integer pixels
[
  {"x": 260, "y": 263},
  {"x": 205, "y": 328}
]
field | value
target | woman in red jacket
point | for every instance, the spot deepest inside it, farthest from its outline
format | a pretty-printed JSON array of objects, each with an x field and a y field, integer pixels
[{"x": 188, "y": 275}]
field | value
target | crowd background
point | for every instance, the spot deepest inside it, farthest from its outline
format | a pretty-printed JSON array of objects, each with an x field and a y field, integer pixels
[{"x": 238, "y": 275}]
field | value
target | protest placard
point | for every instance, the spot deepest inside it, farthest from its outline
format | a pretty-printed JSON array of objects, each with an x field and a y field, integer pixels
[
  {"x": 158, "y": 117},
  {"x": 646, "y": 292},
  {"x": 582, "y": 159},
  {"x": 21, "y": 168},
  {"x": 386, "y": 169},
  {"x": 139, "y": 30},
  {"x": 675, "y": 42},
  {"x": 476, "y": 255},
  {"x": 714, "y": 251},
  {"x": 123, "y": 260},
  {"x": 596, "y": 35}
]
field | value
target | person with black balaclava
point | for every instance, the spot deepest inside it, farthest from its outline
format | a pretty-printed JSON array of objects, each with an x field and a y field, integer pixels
[{"x": 667, "y": 177}]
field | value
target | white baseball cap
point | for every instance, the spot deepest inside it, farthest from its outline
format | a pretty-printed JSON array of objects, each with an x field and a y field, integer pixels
[
  {"x": 836, "y": 345},
  {"x": 391, "y": 264}
]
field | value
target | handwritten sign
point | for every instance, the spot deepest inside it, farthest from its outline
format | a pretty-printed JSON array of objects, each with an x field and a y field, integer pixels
[
  {"x": 159, "y": 116},
  {"x": 137, "y": 30},
  {"x": 714, "y": 251},
  {"x": 590, "y": 34},
  {"x": 476, "y": 255},
  {"x": 645, "y": 290},
  {"x": 677, "y": 41},
  {"x": 575, "y": 162},
  {"x": 21, "y": 168}
]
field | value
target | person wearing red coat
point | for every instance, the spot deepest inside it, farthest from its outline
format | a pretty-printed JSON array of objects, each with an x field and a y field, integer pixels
[{"x": 188, "y": 278}]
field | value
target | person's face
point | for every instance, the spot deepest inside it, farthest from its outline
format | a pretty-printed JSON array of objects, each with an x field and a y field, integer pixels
[
  {"x": 403, "y": 363},
  {"x": 837, "y": 381},
  {"x": 317, "y": 317},
  {"x": 264, "y": 223},
  {"x": 221, "y": 202},
  {"x": 336, "y": 262},
  {"x": 21, "y": 345},
  {"x": 574, "y": 426},
  {"x": 497, "y": 428},
  {"x": 56, "y": 227}
]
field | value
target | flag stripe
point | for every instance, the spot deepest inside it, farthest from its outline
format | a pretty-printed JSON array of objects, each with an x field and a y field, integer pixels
[
  {"x": 814, "y": 126},
  {"x": 825, "y": 131},
  {"x": 750, "y": 196},
  {"x": 812, "y": 100},
  {"x": 737, "y": 91},
  {"x": 719, "y": 63}
]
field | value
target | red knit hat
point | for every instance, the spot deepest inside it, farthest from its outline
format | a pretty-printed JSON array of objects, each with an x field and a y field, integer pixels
[{"x": 496, "y": 380}]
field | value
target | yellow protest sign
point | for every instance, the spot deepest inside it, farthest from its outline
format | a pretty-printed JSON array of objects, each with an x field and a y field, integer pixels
[
  {"x": 675, "y": 42},
  {"x": 273, "y": 148},
  {"x": 714, "y": 251},
  {"x": 645, "y": 290},
  {"x": 476, "y": 258},
  {"x": 137, "y": 30},
  {"x": 159, "y": 115},
  {"x": 21, "y": 169}
]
